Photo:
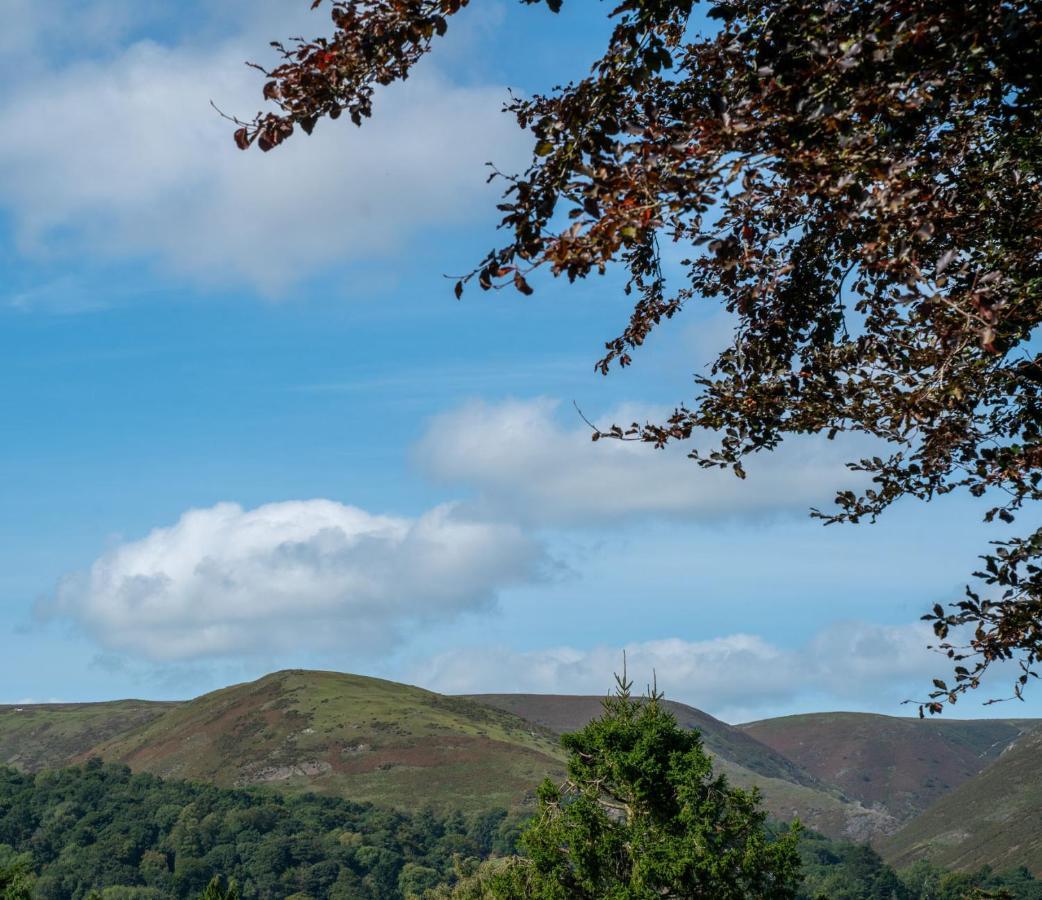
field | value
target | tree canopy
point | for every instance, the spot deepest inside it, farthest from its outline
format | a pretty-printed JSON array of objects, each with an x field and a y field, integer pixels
[
  {"x": 857, "y": 182},
  {"x": 99, "y": 833},
  {"x": 98, "y": 830}
]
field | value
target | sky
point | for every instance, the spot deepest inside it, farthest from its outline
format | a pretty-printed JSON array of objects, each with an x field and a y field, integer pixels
[{"x": 246, "y": 425}]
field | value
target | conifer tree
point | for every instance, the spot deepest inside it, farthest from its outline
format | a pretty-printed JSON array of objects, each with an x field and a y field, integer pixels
[{"x": 642, "y": 816}]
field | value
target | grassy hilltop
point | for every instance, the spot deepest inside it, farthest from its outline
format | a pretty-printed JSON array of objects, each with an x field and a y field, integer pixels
[{"x": 349, "y": 736}]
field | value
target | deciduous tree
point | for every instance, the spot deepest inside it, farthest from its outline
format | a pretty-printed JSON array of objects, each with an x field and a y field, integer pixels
[{"x": 856, "y": 181}]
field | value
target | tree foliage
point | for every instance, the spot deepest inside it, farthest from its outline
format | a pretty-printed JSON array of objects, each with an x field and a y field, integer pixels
[
  {"x": 856, "y": 181},
  {"x": 642, "y": 816},
  {"x": 839, "y": 870},
  {"x": 99, "y": 831},
  {"x": 218, "y": 890},
  {"x": 16, "y": 876}
]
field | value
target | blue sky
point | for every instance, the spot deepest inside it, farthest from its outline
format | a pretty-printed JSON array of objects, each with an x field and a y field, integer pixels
[{"x": 246, "y": 425}]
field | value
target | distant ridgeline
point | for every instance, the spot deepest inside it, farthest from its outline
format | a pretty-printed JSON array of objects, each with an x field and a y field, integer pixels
[
  {"x": 98, "y": 831},
  {"x": 282, "y": 769}
]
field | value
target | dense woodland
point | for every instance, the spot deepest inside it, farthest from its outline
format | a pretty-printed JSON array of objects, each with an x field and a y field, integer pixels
[
  {"x": 99, "y": 826},
  {"x": 99, "y": 830}
]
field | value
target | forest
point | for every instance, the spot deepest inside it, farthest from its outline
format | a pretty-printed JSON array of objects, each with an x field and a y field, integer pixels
[{"x": 99, "y": 831}]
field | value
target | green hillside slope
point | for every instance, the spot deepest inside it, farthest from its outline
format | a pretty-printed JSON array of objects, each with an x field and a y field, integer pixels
[
  {"x": 847, "y": 775},
  {"x": 994, "y": 818},
  {"x": 348, "y": 736},
  {"x": 901, "y": 765},
  {"x": 48, "y": 735},
  {"x": 788, "y": 790}
]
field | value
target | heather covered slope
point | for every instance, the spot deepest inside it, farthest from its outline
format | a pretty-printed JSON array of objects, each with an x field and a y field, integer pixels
[
  {"x": 569, "y": 713},
  {"x": 847, "y": 775},
  {"x": 49, "y": 735},
  {"x": 901, "y": 765},
  {"x": 348, "y": 736},
  {"x": 788, "y": 790},
  {"x": 994, "y": 818}
]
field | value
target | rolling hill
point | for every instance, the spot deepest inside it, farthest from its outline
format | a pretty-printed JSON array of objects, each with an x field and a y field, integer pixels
[
  {"x": 367, "y": 739},
  {"x": 789, "y": 791},
  {"x": 994, "y": 818},
  {"x": 47, "y": 735},
  {"x": 847, "y": 775},
  {"x": 349, "y": 736},
  {"x": 900, "y": 765}
]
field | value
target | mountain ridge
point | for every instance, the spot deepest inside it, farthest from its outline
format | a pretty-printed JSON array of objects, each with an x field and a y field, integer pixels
[
  {"x": 852, "y": 775},
  {"x": 903, "y": 764},
  {"x": 993, "y": 819}
]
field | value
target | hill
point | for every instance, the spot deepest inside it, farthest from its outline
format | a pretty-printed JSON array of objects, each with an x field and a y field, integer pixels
[
  {"x": 846, "y": 775},
  {"x": 900, "y": 765},
  {"x": 347, "y": 736},
  {"x": 994, "y": 818},
  {"x": 789, "y": 791},
  {"x": 48, "y": 735}
]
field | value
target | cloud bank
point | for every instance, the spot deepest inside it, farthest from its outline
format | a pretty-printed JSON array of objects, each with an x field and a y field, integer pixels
[
  {"x": 521, "y": 459},
  {"x": 737, "y": 677},
  {"x": 122, "y": 156},
  {"x": 312, "y": 575}
]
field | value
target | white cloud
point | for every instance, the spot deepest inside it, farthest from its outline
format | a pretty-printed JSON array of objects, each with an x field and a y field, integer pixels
[
  {"x": 311, "y": 575},
  {"x": 33, "y": 33},
  {"x": 737, "y": 677},
  {"x": 519, "y": 457},
  {"x": 122, "y": 156}
]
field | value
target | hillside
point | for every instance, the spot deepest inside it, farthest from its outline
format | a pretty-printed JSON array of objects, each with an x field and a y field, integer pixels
[
  {"x": 844, "y": 774},
  {"x": 902, "y": 765},
  {"x": 44, "y": 736},
  {"x": 788, "y": 790},
  {"x": 348, "y": 736},
  {"x": 994, "y": 818}
]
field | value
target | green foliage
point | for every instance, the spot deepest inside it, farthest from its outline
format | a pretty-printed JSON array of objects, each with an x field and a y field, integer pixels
[
  {"x": 839, "y": 870},
  {"x": 217, "y": 890},
  {"x": 99, "y": 831},
  {"x": 16, "y": 877},
  {"x": 926, "y": 881},
  {"x": 640, "y": 817}
]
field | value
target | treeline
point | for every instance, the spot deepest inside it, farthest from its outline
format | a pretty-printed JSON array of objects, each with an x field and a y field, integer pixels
[
  {"x": 100, "y": 828},
  {"x": 837, "y": 870},
  {"x": 97, "y": 831}
]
